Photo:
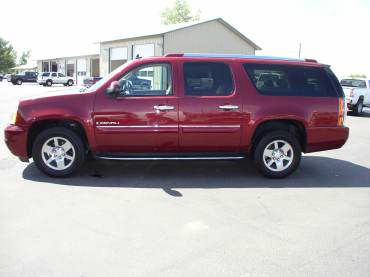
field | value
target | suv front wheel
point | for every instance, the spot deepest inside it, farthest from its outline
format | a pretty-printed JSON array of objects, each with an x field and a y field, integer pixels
[
  {"x": 277, "y": 154},
  {"x": 58, "y": 152}
]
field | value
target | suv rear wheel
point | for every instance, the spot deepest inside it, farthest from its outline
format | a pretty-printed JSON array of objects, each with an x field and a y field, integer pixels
[
  {"x": 70, "y": 83},
  {"x": 58, "y": 152},
  {"x": 277, "y": 154},
  {"x": 49, "y": 83},
  {"x": 19, "y": 82}
]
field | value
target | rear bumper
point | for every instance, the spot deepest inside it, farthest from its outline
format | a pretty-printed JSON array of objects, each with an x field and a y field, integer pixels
[
  {"x": 16, "y": 140},
  {"x": 326, "y": 138}
]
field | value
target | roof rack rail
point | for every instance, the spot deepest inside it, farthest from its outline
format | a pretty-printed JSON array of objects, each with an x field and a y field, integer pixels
[
  {"x": 174, "y": 55},
  {"x": 311, "y": 60},
  {"x": 235, "y": 56}
]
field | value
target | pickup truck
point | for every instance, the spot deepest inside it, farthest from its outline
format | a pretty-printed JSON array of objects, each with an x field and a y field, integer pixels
[
  {"x": 357, "y": 92},
  {"x": 25, "y": 77}
]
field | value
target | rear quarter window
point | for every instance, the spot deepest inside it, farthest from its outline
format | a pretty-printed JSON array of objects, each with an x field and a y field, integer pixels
[{"x": 287, "y": 80}]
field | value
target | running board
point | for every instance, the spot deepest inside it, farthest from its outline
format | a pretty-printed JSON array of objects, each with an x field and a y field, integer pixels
[{"x": 169, "y": 156}]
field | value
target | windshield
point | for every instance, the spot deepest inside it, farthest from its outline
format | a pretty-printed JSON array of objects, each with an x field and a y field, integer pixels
[
  {"x": 99, "y": 83},
  {"x": 353, "y": 83}
]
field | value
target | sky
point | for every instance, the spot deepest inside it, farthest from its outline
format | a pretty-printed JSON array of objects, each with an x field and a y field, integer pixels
[{"x": 334, "y": 32}]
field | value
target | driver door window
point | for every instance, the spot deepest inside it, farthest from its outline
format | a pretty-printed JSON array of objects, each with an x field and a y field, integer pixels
[{"x": 148, "y": 80}]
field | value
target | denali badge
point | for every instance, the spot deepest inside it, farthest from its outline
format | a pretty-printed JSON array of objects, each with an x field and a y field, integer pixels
[{"x": 107, "y": 123}]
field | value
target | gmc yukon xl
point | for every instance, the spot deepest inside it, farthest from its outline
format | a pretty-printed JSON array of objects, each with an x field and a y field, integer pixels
[{"x": 194, "y": 107}]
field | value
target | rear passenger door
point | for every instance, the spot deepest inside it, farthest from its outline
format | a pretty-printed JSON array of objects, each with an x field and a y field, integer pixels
[{"x": 210, "y": 118}]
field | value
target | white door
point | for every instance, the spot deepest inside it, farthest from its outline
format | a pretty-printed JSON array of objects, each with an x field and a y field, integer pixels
[{"x": 81, "y": 71}]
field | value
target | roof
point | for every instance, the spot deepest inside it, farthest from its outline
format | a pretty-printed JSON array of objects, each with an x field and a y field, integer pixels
[
  {"x": 66, "y": 56},
  {"x": 24, "y": 67},
  {"x": 175, "y": 27}
]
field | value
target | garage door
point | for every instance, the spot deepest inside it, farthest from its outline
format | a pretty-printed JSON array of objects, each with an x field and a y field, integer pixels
[{"x": 143, "y": 50}]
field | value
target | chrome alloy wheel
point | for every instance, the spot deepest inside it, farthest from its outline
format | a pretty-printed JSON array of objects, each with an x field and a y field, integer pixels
[
  {"x": 278, "y": 155},
  {"x": 58, "y": 153}
]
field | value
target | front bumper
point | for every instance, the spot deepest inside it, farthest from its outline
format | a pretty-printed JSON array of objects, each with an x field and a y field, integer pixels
[
  {"x": 326, "y": 138},
  {"x": 16, "y": 140}
]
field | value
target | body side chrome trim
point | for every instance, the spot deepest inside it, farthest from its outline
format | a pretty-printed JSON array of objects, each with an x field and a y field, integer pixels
[
  {"x": 210, "y": 126},
  {"x": 169, "y": 158},
  {"x": 167, "y": 126}
]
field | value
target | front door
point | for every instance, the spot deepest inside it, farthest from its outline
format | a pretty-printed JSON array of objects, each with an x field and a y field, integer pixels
[
  {"x": 143, "y": 117},
  {"x": 210, "y": 118}
]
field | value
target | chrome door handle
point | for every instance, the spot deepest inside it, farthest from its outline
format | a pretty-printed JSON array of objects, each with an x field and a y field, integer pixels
[
  {"x": 228, "y": 107},
  {"x": 163, "y": 107}
]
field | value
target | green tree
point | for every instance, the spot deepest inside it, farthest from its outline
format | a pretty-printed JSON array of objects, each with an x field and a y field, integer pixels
[
  {"x": 356, "y": 75},
  {"x": 180, "y": 12},
  {"x": 8, "y": 56},
  {"x": 24, "y": 57}
]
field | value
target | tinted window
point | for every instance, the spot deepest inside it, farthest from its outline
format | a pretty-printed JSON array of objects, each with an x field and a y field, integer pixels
[
  {"x": 45, "y": 74},
  {"x": 353, "y": 83},
  {"x": 53, "y": 74},
  {"x": 207, "y": 79},
  {"x": 60, "y": 75},
  {"x": 148, "y": 80},
  {"x": 286, "y": 80}
]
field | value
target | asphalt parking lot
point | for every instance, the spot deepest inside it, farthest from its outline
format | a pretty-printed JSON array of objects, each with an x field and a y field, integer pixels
[{"x": 186, "y": 218}]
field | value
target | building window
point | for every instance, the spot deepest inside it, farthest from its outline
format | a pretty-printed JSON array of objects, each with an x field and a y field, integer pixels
[
  {"x": 54, "y": 66},
  {"x": 70, "y": 68},
  {"x": 117, "y": 57},
  {"x": 45, "y": 67}
]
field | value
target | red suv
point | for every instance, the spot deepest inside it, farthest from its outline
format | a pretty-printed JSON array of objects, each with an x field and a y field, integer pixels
[{"x": 188, "y": 107}]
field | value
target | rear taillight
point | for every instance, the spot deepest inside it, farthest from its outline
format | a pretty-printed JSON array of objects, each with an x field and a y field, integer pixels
[{"x": 342, "y": 112}]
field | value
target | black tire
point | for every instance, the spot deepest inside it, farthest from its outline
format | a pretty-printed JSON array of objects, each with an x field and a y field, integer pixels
[
  {"x": 70, "y": 82},
  {"x": 265, "y": 141},
  {"x": 72, "y": 137},
  {"x": 19, "y": 82},
  {"x": 49, "y": 83},
  {"x": 358, "y": 108}
]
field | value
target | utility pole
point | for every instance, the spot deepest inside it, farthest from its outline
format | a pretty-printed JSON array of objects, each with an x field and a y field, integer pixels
[{"x": 299, "y": 51}]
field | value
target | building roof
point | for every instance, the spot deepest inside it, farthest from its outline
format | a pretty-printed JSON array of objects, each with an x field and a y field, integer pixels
[
  {"x": 175, "y": 27},
  {"x": 24, "y": 67}
]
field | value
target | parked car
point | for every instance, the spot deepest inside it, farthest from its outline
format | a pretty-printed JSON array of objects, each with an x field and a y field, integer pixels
[
  {"x": 50, "y": 78},
  {"x": 89, "y": 81},
  {"x": 8, "y": 77},
  {"x": 24, "y": 77},
  {"x": 357, "y": 92},
  {"x": 197, "y": 107}
]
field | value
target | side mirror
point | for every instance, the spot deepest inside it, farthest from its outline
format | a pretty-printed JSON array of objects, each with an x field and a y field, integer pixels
[{"x": 113, "y": 89}]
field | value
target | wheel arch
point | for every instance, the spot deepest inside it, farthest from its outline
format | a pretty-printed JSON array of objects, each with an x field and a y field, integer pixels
[
  {"x": 40, "y": 125},
  {"x": 294, "y": 126}
]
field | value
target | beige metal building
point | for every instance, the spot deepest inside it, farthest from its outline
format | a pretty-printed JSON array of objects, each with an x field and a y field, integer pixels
[{"x": 211, "y": 36}]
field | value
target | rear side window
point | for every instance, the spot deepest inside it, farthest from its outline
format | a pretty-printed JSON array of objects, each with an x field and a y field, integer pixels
[
  {"x": 53, "y": 75},
  {"x": 286, "y": 80},
  {"x": 45, "y": 74},
  {"x": 207, "y": 79}
]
